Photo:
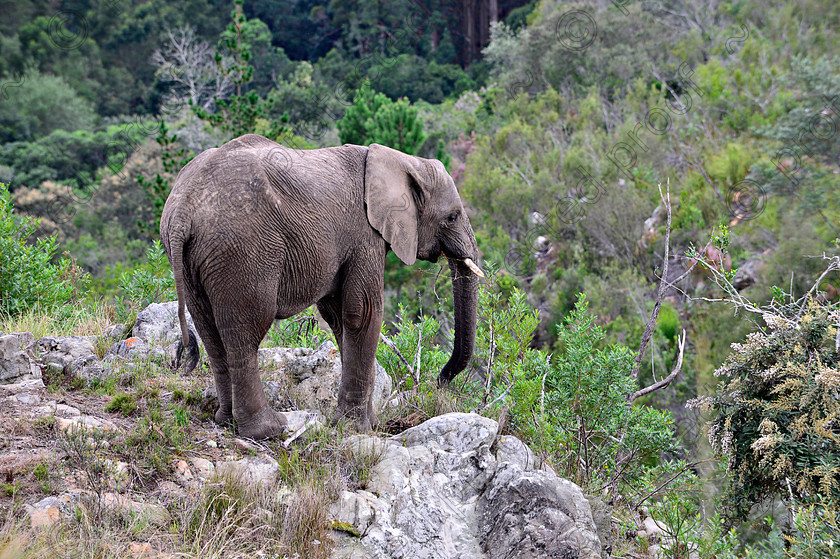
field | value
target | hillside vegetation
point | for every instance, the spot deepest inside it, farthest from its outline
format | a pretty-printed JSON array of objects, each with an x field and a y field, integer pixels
[{"x": 654, "y": 187}]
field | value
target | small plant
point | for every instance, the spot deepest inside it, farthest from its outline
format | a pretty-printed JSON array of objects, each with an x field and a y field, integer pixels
[
  {"x": 151, "y": 282},
  {"x": 28, "y": 277},
  {"x": 10, "y": 489},
  {"x": 358, "y": 462},
  {"x": 41, "y": 474},
  {"x": 299, "y": 331},
  {"x": 152, "y": 444},
  {"x": 87, "y": 451},
  {"x": 122, "y": 403}
]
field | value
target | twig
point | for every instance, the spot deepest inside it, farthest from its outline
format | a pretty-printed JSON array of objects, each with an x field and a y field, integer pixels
[
  {"x": 667, "y": 380},
  {"x": 417, "y": 355},
  {"x": 666, "y": 482},
  {"x": 662, "y": 285},
  {"x": 489, "y": 380},
  {"x": 393, "y": 347},
  {"x": 499, "y": 397}
]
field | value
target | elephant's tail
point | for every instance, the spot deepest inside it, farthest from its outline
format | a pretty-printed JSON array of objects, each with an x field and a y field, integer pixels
[{"x": 188, "y": 340}]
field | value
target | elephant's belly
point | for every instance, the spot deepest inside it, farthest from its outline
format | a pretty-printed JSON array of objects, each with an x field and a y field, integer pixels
[{"x": 298, "y": 290}]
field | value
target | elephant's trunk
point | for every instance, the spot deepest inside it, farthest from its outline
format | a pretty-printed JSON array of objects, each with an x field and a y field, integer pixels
[{"x": 465, "y": 287}]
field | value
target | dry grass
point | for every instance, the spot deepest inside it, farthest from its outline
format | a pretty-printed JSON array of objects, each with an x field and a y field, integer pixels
[{"x": 90, "y": 320}]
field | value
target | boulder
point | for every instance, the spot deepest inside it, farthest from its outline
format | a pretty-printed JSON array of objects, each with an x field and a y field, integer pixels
[
  {"x": 88, "y": 368},
  {"x": 310, "y": 380},
  {"x": 452, "y": 487},
  {"x": 59, "y": 353},
  {"x": 158, "y": 324},
  {"x": 16, "y": 363},
  {"x": 315, "y": 379},
  {"x": 251, "y": 470},
  {"x": 136, "y": 349}
]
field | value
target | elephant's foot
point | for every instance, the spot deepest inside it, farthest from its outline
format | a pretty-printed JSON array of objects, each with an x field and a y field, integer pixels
[
  {"x": 265, "y": 424},
  {"x": 223, "y": 417},
  {"x": 361, "y": 418}
]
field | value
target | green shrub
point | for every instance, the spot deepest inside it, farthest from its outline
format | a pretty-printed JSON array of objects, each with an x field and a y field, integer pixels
[
  {"x": 573, "y": 406},
  {"x": 151, "y": 282},
  {"x": 776, "y": 413},
  {"x": 122, "y": 403},
  {"x": 668, "y": 322},
  {"x": 28, "y": 277}
]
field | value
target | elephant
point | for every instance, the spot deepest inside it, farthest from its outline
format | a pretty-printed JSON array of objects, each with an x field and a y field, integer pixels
[{"x": 255, "y": 232}]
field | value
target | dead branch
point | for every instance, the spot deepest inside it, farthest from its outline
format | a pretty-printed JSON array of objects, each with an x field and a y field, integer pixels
[
  {"x": 667, "y": 380},
  {"x": 651, "y": 324}
]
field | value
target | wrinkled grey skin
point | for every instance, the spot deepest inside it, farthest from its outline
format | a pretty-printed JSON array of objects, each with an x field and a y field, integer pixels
[{"x": 257, "y": 232}]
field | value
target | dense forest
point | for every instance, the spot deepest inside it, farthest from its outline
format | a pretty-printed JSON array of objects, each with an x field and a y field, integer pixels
[{"x": 618, "y": 160}]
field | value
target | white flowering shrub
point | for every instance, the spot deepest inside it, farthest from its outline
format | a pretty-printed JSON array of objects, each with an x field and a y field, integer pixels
[{"x": 777, "y": 412}]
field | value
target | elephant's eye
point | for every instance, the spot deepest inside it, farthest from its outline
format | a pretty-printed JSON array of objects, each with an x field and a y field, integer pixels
[{"x": 453, "y": 217}]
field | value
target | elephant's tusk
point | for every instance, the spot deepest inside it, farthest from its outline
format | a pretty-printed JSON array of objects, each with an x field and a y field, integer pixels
[{"x": 473, "y": 267}]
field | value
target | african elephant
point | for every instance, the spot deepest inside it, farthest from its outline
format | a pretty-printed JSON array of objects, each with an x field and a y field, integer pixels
[{"x": 256, "y": 232}]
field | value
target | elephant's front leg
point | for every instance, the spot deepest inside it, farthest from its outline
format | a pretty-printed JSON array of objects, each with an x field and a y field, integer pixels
[{"x": 362, "y": 306}]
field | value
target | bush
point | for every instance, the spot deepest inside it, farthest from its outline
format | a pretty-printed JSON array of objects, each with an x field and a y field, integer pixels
[
  {"x": 28, "y": 277},
  {"x": 574, "y": 407},
  {"x": 776, "y": 412},
  {"x": 151, "y": 282},
  {"x": 374, "y": 118}
]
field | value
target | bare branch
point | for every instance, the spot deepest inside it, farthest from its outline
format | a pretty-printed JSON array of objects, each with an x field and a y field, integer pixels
[
  {"x": 667, "y": 380},
  {"x": 393, "y": 347},
  {"x": 666, "y": 199}
]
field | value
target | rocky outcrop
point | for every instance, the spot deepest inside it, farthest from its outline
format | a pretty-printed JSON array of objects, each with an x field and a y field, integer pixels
[
  {"x": 306, "y": 379},
  {"x": 59, "y": 353},
  {"x": 16, "y": 359},
  {"x": 452, "y": 487},
  {"x": 158, "y": 324}
]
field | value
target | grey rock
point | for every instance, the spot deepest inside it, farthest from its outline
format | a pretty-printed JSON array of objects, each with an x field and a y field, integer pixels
[
  {"x": 315, "y": 379},
  {"x": 279, "y": 357},
  {"x": 438, "y": 490},
  {"x": 602, "y": 516},
  {"x": 252, "y": 470},
  {"x": 88, "y": 368},
  {"x": 158, "y": 324},
  {"x": 114, "y": 333},
  {"x": 22, "y": 386},
  {"x": 16, "y": 363},
  {"x": 59, "y": 353},
  {"x": 311, "y": 380},
  {"x": 136, "y": 349},
  {"x": 535, "y": 515}
]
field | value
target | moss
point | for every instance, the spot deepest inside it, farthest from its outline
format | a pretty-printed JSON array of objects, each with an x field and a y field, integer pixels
[{"x": 344, "y": 527}]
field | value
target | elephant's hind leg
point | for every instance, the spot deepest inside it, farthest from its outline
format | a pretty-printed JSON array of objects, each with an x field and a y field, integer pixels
[
  {"x": 205, "y": 323},
  {"x": 246, "y": 323}
]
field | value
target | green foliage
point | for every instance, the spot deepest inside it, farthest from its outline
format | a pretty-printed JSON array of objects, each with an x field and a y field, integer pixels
[
  {"x": 29, "y": 279},
  {"x": 817, "y": 532},
  {"x": 122, "y": 403},
  {"x": 373, "y": 118},
  {"x": 150, "y": 445},
  {"x": 241, "y": 112},
  {"x": 668, "y": 322},
  {"x": 173, "y": 158},
  {"x": 775, "y": 413},
  {"x": 72, "y": 158},
  {"x": 41, "y": 104},
  {"x": 299, "y": 331},
  {"x": 417, "y": 343},
  {"x": 575, "y": 407},
  {"x": 151, "y": 282}
]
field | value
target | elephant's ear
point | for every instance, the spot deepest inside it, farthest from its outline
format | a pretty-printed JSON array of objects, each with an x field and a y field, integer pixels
[{"x": 392, "y": 179}]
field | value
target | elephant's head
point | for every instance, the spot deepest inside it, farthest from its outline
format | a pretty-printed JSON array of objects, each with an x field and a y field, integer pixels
[{"x": 414, "y": 205}]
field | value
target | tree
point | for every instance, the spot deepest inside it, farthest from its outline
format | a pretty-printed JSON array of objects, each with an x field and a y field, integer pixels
[{"x": 374, "y": 118}]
